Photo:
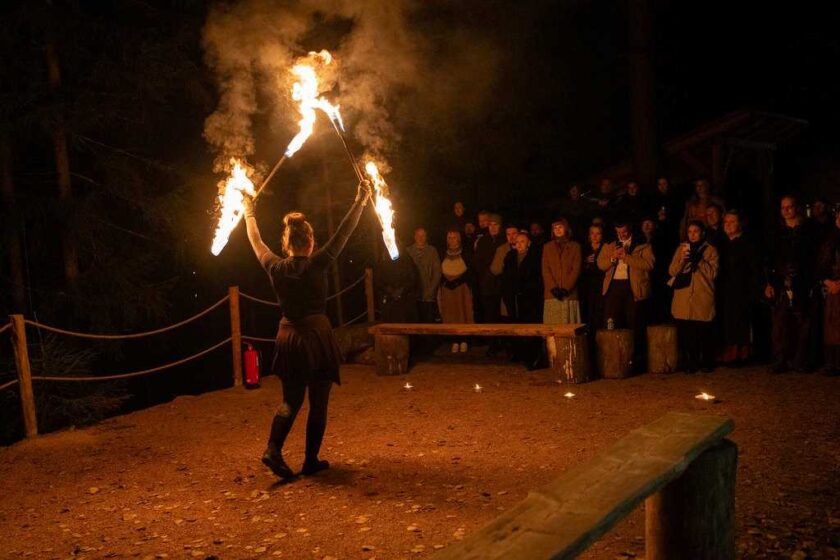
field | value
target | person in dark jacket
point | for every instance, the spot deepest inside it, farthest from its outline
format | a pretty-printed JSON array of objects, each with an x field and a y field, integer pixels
[
  {"x": 306, "y": 355},
  {"x": 489, "y": 284},
  {"x": 633, "y": 205},
  {"x": 523, "y": 296},
  {"x": 739, "y": 288},
  {"x": 714, "y": 225},
  {"x": 829, "y": 275},
  {"x": 789, "y": 288},
  {"x": 397, "y": 288},
  {"x": 591, "y": 284},
  {"x": 662, "y": 252}
]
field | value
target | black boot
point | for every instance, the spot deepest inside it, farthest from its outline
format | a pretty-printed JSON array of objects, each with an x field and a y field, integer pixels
[
  {"x": 314, "y": 437},
  {"x": 273, "y": 456}
]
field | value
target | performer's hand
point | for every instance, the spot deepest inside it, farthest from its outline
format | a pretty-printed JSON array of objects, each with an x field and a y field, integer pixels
[
  {"x": 249, "y": 205},
  {"x": 364, "y": 191}
]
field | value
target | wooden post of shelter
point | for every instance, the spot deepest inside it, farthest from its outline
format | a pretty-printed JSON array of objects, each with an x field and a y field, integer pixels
[
  {"x": 693, "y": 516},
  {"x": 24, "y": 373},
  {"x": 369, "y": 300},
  {"x": 235, "y": 335},
  {"x": 334, "y": 270}
]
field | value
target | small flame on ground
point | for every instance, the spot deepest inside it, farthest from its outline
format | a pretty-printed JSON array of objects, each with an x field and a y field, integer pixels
[
  {"x": 384, "y": 210},
  {"x": 704, "y": 397},
  {"x": 305, "y": 91},
  {"x": 569, "y": 395},
  {"x": 408, "y": 386},
  {"x": 231, "y": 207},
  {"x": 477, "y": 388}
]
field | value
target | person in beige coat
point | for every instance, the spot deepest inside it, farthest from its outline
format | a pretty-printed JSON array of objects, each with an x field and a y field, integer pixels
[
  {"x": 693, "y": 271},
  {"x": 561, "y": 265},
  {"x": 627, "y": 264}
]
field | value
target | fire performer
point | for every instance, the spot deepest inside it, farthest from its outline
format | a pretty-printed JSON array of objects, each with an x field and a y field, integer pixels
[{"x": 306, "y": 353}]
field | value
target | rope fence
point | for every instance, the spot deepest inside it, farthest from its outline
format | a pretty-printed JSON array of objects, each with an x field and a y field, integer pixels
[
  {"x": 25, "y": 376},
  {"x": 126, "y": 336},
  {"x": 133, "y": 373},
  {"x": 5, "y": 386}
]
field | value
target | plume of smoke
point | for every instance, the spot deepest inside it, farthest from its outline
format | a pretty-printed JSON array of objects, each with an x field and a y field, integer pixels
[{"x": 390, "y": 74}]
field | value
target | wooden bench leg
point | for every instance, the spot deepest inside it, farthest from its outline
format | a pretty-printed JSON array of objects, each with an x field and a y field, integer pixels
[
  {"x": 391, "y": 354},
  {"x": 693, "y": 517},
  {"x": 571, "y": 364}
]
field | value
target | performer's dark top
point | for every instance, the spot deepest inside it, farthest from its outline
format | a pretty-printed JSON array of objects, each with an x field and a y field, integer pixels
[{"x": 300, "y": 283}]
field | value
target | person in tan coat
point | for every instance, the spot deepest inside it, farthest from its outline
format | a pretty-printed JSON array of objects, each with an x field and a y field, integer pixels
[
  {"x": 561, "y": 265},
  {"x": 693, "y": 271},
  {"x": 627, "y": 286}
]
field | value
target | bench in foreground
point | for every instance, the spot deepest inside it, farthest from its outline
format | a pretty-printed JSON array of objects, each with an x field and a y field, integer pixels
[
  {"x": 392, "y": 343},
  {"x": 682, "y": 467}
]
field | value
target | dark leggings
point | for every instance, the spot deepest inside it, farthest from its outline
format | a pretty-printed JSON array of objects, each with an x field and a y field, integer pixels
[
  {"x": 696, "y": 344},
  {"x": 316, "y": 423}
]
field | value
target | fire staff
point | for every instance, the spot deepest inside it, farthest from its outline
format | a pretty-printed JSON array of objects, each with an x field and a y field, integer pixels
[{"x": 306, "y": 354}]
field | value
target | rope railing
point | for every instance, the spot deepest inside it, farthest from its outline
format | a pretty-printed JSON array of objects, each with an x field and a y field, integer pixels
[
  {"x": 5, "y": 327},
  {"x": 5, "y": 386},
  {"x": 257, "y": 338},
  {"x": 354, "y": 319},
  {"x": 259, "y": 300},
  {"x": 133, "y": 373},
  {"x": 347, "y": 289},
  {"x": 126, "y": 336}
]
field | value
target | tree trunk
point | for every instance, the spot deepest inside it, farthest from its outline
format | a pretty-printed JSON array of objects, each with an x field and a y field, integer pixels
[
  {"x": 642, "y": 119},
  {"x": 11, "y": 230},
  {"x": 572, "y": 361},
  {"x": 62, "y": 166}
]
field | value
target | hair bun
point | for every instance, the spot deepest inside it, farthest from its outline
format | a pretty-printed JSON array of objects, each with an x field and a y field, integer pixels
[{"x": 293, "y": 219}]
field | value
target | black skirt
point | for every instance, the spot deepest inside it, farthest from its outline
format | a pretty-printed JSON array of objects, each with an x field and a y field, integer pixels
[{"x": 306, "y": 350}]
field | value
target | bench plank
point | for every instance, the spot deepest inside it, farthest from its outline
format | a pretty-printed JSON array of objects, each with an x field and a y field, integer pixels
[
  {"x": 562, "y": 519},
  {"x": 479, "y": 329}
]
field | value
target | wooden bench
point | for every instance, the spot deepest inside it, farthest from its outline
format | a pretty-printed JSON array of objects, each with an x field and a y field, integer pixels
[
  {"x": 392, "y": 343},
  {"x": 680, "y": 464}
]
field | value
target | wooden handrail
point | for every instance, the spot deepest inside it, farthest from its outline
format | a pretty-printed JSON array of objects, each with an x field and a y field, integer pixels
[{"x": 679, "y": 459}]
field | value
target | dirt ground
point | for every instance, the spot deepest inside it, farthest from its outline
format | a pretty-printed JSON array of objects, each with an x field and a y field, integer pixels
[{"x": 413, "y": 470}]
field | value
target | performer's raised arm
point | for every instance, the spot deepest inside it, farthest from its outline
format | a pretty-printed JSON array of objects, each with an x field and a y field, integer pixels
[
  {"x": 338, "y": 241},
  {"x": 261, "y": 250}
]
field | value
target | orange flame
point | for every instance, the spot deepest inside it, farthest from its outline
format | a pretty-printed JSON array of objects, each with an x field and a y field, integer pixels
[
  {"x": 305, "y": 91},
  {"x": 384, "y": 210},
  {"x": 230, "y": 204}
]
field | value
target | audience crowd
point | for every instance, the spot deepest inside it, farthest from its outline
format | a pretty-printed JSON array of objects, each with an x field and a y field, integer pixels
[{"x": 620, "y": 259}]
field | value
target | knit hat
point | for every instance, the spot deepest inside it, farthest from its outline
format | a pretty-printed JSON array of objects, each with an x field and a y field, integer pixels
[{"x": 496, "y": 218}]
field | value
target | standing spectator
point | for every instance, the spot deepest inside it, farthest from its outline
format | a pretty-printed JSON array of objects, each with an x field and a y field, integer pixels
[
  {"x": 397, "y": 288},
  {"x": 427, "y": 261},
  {"x": 714, "y": 225},
  {"x": 469, "y": 238},
  {"x": 523, "y": 296},
  {"x": 483, "y": 222},
  {"x": 576, "y": 210},
  {"x": 661, "y": 292},
  {"x": 790, "y": 283},
  {"x": 497, "y": 267},
  {"x": 628, "y": 264},
  {"x": 537, "y": 234},
  {"x": 829, "y": 274},
  {"x": 633, "y": 205},
  {"x": 605, "y": 201},
  {"x": 695, "y": 208},
  {"x": 458, "y": 217},
  {"x": 739, "y": 286},
  {"x": 693, "y": 270},
  {"x": 561, "y": 264},
  {"x": 489, "y": 285},
  {"x": 821, "y": 221},
  {"x": 455, "y": 298},
  {"x": 667, "y": 208},
  {"x": 592, "y": 283}
]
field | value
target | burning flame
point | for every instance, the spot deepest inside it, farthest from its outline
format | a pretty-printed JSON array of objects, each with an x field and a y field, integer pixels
[
  {"x": 477, "y": 388},
  {"x": 230, "y": 204},
  {"x": 305, "y": 91},
  {"x": 384, "y": 210},
  {"x": 569, "y": 395},
  {"x": 408, "y": 386},
  {"x": 705, "y": 396}
]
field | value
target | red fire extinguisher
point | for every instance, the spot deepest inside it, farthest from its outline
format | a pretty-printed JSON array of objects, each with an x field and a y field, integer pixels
[{"x": 252, "y": 367}]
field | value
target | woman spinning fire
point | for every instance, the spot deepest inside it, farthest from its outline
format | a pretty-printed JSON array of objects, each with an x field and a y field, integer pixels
[{"x": 306, "y": 353}]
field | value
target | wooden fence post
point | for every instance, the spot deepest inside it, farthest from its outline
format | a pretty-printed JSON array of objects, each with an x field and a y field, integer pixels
[
  {"x": 27, "y": 396},
  {"x": 371, "y": 309},
  {"x": 235, "y": 335},
  {"x": 693, "y": 517}
]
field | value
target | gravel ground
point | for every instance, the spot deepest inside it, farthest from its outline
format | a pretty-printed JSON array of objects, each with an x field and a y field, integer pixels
[{"x": 412, "y": 470}]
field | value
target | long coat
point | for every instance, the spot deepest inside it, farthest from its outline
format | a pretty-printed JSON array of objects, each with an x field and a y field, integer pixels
[
  {"x": 561, "y": 262},
  {"x": 739, "y": 288},
  {"x": 696, "y": 302},
  {"x": 522, "y": 286}
]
